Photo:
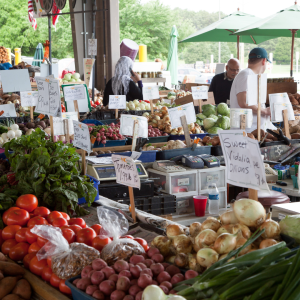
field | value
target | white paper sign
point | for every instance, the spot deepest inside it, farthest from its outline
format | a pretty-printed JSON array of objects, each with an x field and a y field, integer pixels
[
  {"x": 58, "y": 123},
  {"x": 117, "y": 102},
  {"x": 49, "y": 96},
  {"x": 74, "y": 92},
  {"x": 252, "y": 82},
  {"x": 244, "y": 165},
  {"x": 29, "y": 98},
  {"x": 92, "y": 47},
  {"x": 175, "y": 113},
  {"x": 200, "y": 92},
  {"x": 278, "y": 103},
  {"x": 127, "y": 122},
  {"x": 15, "y": 80},
  {"x": 7, "y": 111},
  {"x": 126, "y": 171},
  {"x": 150, "y": 92},
  {"x": 82, "y": 136}
]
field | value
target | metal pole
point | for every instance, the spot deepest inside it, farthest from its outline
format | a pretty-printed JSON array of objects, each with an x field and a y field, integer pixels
[
  {"x": 219, "y": 42},
  {"x": 104, "y": 44},
  {"x": 292, "y": 51},
  {"x": 84, "y": 28},
  {"x": 50, "y": 50},
  {"x": 93, "y": 36},
  {"x": 238, "y": 47}
]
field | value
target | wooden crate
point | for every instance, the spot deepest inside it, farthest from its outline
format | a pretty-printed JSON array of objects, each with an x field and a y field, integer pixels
[{"x": 281, "y": 87}]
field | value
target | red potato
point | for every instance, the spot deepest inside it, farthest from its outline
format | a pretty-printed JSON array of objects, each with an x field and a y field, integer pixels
[
  {"x": 91, "y": 289},
  {"x": 125, "y": 273},
  {"x": 165, "y": 265},
  {"x": 167, "y": 284},
  {"x": 142, "y": 266},
  {"x": 121, "y": 265},
  {"x": 134, "y": 290},
  {"x": 133, "y": 281},
  {"x": 158, "y": 258},
  {"x": 123, "y": 284},
  {"x": 117, "y": 295},
  {"x": 83, "y": 283},
  {"x": 147, "y": 271},
  {"x": 163, "y": 276},
  {"x": 114, "y": 277},
  {"x": 98, "y": 264},
  {"x": 107, "y": 287},
  {"x": 86, "y": 270},
  {"x": 145, "y": 255},
  {"x": 130, "y": 265},
  {"x": 98, "y": 295},
  {"x": 108, "y": 271},
  {"x": 135, "y": 259},
  {"x": 157, "y": 268},
  {"x": 154, "y": 282},
  {"x": 172, "y": 270},
  {"x": 144, "y": 281},
  {"x": 177, "y": 278},
  {"x": 75, "y": 281},
  {"x": 190, "y": 274},
  {"x": 128, "y": 297},
  {"x": 97, "y": 277},
  {"x": 172, "y": 292},
  {"x": 165, "y": 289},
  {"x": 152, "y": 251},
  {"x": 135, "y": 271},
  {"x": 91, "y": 273},
  {"x": 148, "y": 262},
  {"x": 139, "y": 296}
]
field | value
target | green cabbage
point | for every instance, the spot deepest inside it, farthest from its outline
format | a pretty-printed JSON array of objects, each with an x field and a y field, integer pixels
[
  {"x": 201, "y": 116},
  {"x": 199, "y": 122},
  {"x": 214, "y": 130},
  {"x": 208, "y": 123},
  {"x": 209, "y": 109},
  {"x": 290, "y": 226},
  {"x": 228, "y": 113},
  {"x": 222, "y": 109},
  {"x": 213, "y": 117},
  {"x": 223, "y": 122}
]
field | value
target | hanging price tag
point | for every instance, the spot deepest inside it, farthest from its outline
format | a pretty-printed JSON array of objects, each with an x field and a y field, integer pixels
[{"x": 92, "y": 47}]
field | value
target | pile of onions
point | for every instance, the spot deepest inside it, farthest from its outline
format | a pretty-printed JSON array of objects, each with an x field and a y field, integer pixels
[
  {"x": 174, "y": 230},
  {"x": 211, "y": 223},
  {"x": 249, "y": 212},
  {"x": 182, "y": 244},
  {"x": 228, "y": 217},
  {"x": 272, "y": 228},
  {"x": 225, "y": 243},
  {"x": 195, "y": 228},
  {"x": 244, "y": 230},
  {"x": 207, "y": 257},
  {"x": 239, "y": 243},
  {"x": 205, "y": 238},
  {"x": 155, "y": 292},
  {"x": 162, "y": 243},
  {"x": 267, "y": 243},
  {"x": 224, "y": 229}
]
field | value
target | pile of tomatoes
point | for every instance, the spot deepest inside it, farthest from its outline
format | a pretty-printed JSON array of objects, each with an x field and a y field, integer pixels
[{"x": 20, "y": 244}]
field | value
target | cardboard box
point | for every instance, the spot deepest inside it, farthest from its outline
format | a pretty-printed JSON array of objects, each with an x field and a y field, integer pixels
[
  {"x": 184, "y": 100},
  {"x": 188, "y": 86}
]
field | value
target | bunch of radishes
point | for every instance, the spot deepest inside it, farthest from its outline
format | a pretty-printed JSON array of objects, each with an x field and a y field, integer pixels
[
  {"x": 106, "y": 132},
  {"x": 127, "y": 281},
  {"x": 154, "y": 132}
]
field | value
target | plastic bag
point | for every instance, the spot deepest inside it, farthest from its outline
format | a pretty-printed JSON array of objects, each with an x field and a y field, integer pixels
[
  {"x": 67, "y": 261},
  {"x": 116, "y": 225}
]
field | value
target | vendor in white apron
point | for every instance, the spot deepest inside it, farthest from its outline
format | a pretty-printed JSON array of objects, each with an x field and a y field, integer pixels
[{"x": 257, "y": 64}]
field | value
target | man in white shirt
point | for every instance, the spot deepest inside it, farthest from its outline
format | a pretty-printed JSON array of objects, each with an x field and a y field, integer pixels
[{"x": 257, "y": 64}]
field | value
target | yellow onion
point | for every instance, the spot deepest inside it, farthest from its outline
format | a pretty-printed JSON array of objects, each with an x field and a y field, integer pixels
[
  {"x": 272, "y": 228},
  {"x": 182, "y": 244},
  {"x": 249, "y": 212},
  {"x": 224, "y": 255},
  {"x": 225, "y": 243},
  {"x": 181, "y": 260},
  {"x": 239, "y": 243},
  {"x": 195, "y": 228},
  {"x": 244, "y": 230},
  {"x": 206, "y": 237},
  {"x": 173, "y": 230},
  {"x": 211, "y": 223},
  {"x": 193, "y": 264},
  {"x": 196, "y": 247},
  {"x": 228, "y": 217},
  {"x": 225, "y": 229},
  {"x": 267, "y": 243},
  {"x": 207, "y": 257},
  {"x": 170, "y": 259},
  {"x": 163, "y": 244}
]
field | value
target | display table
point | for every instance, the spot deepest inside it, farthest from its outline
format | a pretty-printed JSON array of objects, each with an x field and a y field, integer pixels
[
  {"x": 281, "y": 210},
  {"x": 288, "y": 190}
]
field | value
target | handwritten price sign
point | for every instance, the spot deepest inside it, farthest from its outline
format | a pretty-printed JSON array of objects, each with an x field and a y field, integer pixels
[
  {"x": 29, "y": 98},
  {"x": 81, "y": 136},
  {"x": 77, "y": 92},
  {"x": 150, "y": 92},
  {"x": 175, "y": 113},
  {"x": 200, "y": 92},
  {"x": 117, "y": 102},
  {"x": 126, "y": 171}
]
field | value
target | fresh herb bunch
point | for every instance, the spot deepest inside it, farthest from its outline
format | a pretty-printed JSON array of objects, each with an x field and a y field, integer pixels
[{"x": 49, "y": 171}]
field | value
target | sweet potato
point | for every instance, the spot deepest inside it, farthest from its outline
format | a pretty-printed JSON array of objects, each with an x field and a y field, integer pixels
[
  {"x": 295, "y": 136},
  {"x": 23, "y": 289},
  {"x": 3, "y": 257},
  {"x": 215, "y": 141},
  {"x": 251, "y": 136},
  {"x": 262, "y": 133},
  {"x": 12, "y": 297},
  {"x": 7, "y": 284},
  {"x": 206, "y": 139},
  {"x": 268, "y": 140},
  {"x": 11, "y": 269}
]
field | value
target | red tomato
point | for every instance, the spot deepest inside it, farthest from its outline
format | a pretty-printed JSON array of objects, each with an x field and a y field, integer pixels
[
  {"x": 5, "y": 214},
  {"x": 1, "y": 239},
  {"x": 46, "y": 273},
  {"x": 77, "y": 221},
  {"x": 54, "y": 280},
  {"x": 41, "y": 212},
  {"x": 28, "y": 202},
  {"x": 65, "y": 216},
  {"x": 63, "y": 288},
  {"x": 97, "y": 228},
  {"x": 7, "y": 245},
  {"x": 37, "y": 221},
  {"x": 36, "y": 266},
  {"x": 9, "y": 232},
  {"x": 127, "y": 237},
  {"x": 49, "y": 261},
  {"x": 75, "y": 228},
  {"x": 18, "y": 217},
  {"x": 143, "y": 243},
  {"x": 21, "y": 235},
  {"x": 19, "y": 251},
  {"x": 41, "y": 241},
  {"x": 34, "y": 248},
  {"x": 69, "y": 235},
  {"x": 65, "y": 227},
  {"x": 27, "y": 259},
  {"x": 30, "y": 237},
  {"x": 58, "y": 222},
  {"x": 100, "y": 241},
  {"x": 85, "y": 236},
  {"x": 53, "y": 215}
]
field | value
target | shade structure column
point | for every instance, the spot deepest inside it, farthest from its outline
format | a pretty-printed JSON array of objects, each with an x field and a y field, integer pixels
[
  {"x": 292, "y": 50},
  {"x": 238, "y": 47}
]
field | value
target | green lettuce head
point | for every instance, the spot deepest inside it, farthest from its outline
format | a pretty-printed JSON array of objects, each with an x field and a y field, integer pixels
[
  {"x": 214, "y": 130},
  {"x": 209, "y": 109},
  {"x": 208, "y": 123},
  {"x": 222, "y": 109},
  {"x": 290, "y": 226}
]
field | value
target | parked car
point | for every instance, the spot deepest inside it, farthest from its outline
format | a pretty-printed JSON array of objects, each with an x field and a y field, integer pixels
[{"x": 199, "y": 78}]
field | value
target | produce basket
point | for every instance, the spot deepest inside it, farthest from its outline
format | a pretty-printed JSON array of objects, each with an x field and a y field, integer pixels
[
  {"x": 182, "y": 137},
  {"x": 110, "y": 143},
  {"x": 135, "y": 112},
  {"x": 92, "y": 121},
  {"x": 168, "y": 154},
  {"x": 96, "y": 184},
  {"x": 109, "y": 121},
  {"x": 152, "y": 140},
  {"x": 76, "y": 293},
  {"x": 146, "y": 156}
]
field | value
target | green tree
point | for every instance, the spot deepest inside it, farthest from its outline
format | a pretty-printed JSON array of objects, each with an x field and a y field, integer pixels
[{"x": 282, "y": 53}]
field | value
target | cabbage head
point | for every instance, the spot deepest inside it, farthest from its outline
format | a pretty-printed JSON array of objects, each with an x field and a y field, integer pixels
[
  {"x": 213, "y": 117},
  {"x": 209, "y": 109},
  {"x": 208, "y": 123},
  {"x": 199, "y": 122},
  {"x": 214, "y": 130},
  {"x": 222, "y": 109},
  {"x": 201, "y": 116},
  {"x": 223, "y": 122},
  {"x": 228, "y": 113},
  {"x": 290, "y": 226}
]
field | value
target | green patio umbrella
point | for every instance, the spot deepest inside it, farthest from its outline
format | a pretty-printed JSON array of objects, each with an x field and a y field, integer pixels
[
  {"x": 285, "y": 23},
  {"x": 221, "y": 31},
  {"x": 172, "y": 56},
  {"x": 38, "y": 55}
]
